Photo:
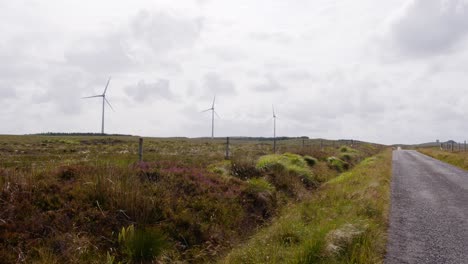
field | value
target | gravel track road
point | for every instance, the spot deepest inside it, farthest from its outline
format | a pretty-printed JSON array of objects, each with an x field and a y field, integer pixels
[{"x": 429, "y": 211}]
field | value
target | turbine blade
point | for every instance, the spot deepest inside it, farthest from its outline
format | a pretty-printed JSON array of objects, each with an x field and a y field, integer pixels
[
  {"x": 209, "y": 109},
  {"x": 91, "y": 96},
  {"x": 273, "y": 107},
  {"x": 105, "y": 99},
  {"x": 217, "y": 114},
  {"x": 214, "y": 99},
  {"x": 107, "y": 85}
]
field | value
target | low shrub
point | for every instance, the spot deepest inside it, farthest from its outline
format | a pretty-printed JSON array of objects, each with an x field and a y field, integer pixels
[
  {"x": 347, "y": 149},
  {"x": 346, "y": 156},
  {"x": 221, "y": 168},
  {"x": 295, "y": 159},
  {"x": 310, "y": 160},
  {"x": 147, "y": 172},
  {"x": 270, "y": 162},
  {"x": 67, "y": 173},
  {"x": 244, "y": 168},
  {"x": 259, "y": 185}
]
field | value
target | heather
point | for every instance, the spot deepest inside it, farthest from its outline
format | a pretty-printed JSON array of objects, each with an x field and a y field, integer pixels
[{"x": 89, "y": 200}]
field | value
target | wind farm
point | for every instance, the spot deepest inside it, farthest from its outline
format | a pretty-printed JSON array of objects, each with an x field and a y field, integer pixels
[
  {"x": 110, "y": 198},
  {"x": 233, "y": 132}
]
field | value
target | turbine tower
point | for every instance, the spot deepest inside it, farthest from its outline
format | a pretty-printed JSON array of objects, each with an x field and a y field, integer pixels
[
  {"x": 213, "y": 112},
  {"x": 274, "y": 129},
  {"x": 104, "y": 101}
]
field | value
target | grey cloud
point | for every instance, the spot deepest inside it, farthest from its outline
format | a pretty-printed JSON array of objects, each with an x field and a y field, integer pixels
[
  {"x": 277, "y": 63},
  {"x": 227, "y": 54},
  {"x": 101, "y": 54},
  {"x": 298, "y": 75},
  {"x": 143, "y": 91},
  {"x": 148, "y": 38},
  {"x": 371, "y": 101},
  {"x": 6, "y": 91},
  {"x": 215, "y": 84},
  {"x": 19, "y": 58},
  {"x": 275, "y": 37},
  {"x": 430, "y": 27},
  {"x": 64, "y": 91},
  {"x": 271, "y": 84},
  {"x": 202, "y": 2},
  {"x": 340, "y": 97},
  {"x": 163, "y": 32}
]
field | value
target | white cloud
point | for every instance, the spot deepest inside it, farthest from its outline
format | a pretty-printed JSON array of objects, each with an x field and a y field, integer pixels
[
  {"x": 321, "y": 67},
  {"x": 143, "y": 91},
  {"x": 213, "y": 83},
  {"x": 269, "y": 85}
]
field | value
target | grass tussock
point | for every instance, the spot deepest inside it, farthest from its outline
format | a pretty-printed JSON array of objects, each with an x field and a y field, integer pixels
[
  {"x": 338, "y": 164},
  {"x": 310, "y": 160},
  {"x": 288, "y": 172},
  {"x": 345, "y": 221}
]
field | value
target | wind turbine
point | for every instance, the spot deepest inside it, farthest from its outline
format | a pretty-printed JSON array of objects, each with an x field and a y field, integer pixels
[
  {"x": 213, "y": 112},
  {"x": 274, "y": 129},
  {"x": 104, "y": 101}
]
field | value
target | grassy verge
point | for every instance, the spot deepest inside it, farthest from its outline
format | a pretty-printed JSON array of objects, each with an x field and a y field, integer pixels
[
  {"x": 459, "y": 159},
  {"x": 344, "y": 222}
]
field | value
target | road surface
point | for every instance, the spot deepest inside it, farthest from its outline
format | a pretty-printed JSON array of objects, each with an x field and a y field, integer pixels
[{"x": 429, "y": 211}]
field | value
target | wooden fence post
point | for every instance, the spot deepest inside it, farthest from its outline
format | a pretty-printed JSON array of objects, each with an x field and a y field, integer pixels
[{"x": 140, "y": 150}]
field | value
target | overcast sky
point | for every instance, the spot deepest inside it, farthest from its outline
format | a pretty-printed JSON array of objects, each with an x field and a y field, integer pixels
[{"x": 393, "y": 71}]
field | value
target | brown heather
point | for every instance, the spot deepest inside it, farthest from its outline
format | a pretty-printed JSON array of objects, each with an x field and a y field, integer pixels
[{"x": 70, "y": 199}]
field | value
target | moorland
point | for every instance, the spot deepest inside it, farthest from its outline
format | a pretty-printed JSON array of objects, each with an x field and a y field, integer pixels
[{"x": 88, "y": 199}]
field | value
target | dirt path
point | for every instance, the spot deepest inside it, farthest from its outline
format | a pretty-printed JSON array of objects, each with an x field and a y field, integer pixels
[{"x": 429, "y": 212}]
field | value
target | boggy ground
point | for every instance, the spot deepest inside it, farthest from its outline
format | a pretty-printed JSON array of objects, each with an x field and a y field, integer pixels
[{"x": 87, "y": 199}]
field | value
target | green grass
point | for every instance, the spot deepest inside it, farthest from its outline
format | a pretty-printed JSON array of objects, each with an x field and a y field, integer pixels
[
  {"x": 345, "y": 221},
  {"x": 310, "y": 160},
  {"x": 285, "y": 167},
  {"x": 459, "y": 159},
  {"x": 259, "y": 185},
  {"x": 140, "y": 245},
  {"x": 338, "y": 164}
]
